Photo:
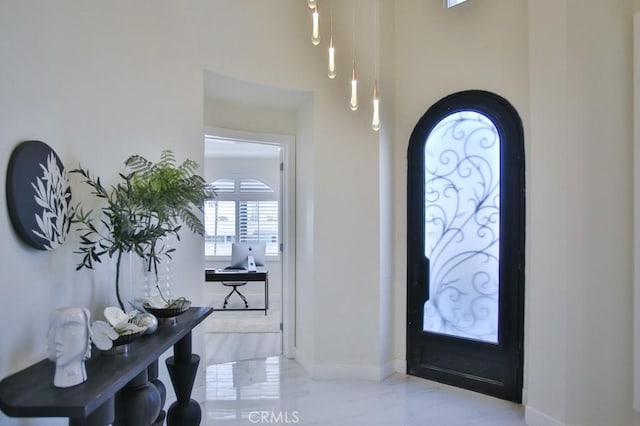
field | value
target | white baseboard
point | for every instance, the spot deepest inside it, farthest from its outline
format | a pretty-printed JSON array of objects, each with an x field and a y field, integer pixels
[
  {"x": 387, "y": 369},
  {"x": 346, "y": 371},
  {"x": 400, "y": 366},
  {"x": 534, "y": 417},
  {"x": 302, "y": 360}
]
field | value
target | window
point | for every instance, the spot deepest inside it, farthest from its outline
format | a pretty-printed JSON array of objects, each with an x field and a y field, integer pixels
[
  {"x": 245, "y": 209},
  {"x": 451, "y": 3}
]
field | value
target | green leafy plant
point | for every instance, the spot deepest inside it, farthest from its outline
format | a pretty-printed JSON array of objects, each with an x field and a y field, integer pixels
[
  {"x": 149, "y": 204},
  {"x": 172, "y": 303}
]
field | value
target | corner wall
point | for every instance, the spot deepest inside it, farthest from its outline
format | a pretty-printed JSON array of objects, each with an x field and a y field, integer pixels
[
  {"x": 599, "y": 126},
  {"x": 548, "y": 241},
  {"x": 581, "y": 101}
]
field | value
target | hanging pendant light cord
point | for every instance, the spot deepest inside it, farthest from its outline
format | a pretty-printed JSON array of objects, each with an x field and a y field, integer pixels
[
  {"x": 331, "y": 16},
  {"x": 353, "y": 26}
]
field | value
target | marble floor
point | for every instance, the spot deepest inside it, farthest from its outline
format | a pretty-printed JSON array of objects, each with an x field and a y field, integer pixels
[
  {"x": 276, "y": 390},
  {"x": 242, "y": 335}
]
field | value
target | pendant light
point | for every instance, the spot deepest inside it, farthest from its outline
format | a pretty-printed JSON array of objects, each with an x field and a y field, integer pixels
[
  {"x": 353, "y": 103},
  {"x": 315, "y": 30},
  {"x": 375, "y": 121},
  {"x": 332, "y": 58}
]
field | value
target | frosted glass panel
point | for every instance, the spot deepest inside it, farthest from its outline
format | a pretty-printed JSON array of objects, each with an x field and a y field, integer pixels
[
  {"x": 462, "y": 225},
  {"x": 451, "y": 3}
]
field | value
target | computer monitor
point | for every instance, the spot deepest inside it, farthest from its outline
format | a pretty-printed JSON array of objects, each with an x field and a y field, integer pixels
[{"x": 241, "y": 253}]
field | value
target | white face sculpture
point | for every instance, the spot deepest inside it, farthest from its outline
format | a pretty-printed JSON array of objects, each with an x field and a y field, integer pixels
[{"x": 68, "y": 337}]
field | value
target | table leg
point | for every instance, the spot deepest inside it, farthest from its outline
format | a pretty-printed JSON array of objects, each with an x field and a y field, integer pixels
[
  {"x": 102, "y": 416},
  {"x": 266, "y": 295},
  {"x": 152, "y": 371},
  {"x": 183, "y": 366},
  {"x": 138, "y": 403}
]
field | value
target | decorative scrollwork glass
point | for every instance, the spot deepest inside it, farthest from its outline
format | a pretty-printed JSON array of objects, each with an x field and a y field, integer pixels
[{"x": 462, "y": 225}]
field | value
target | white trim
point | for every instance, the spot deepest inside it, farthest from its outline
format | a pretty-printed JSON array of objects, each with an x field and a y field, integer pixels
[
  {"x": 534, "y": 417},
  {"x": 348, "y": 371},
  {"x": 253, "y": 137},
  {"x": 400, "y": 366},
  {"x": 387, "y": 369},
  {"x": 345, "y": 371},
  {"x": 636, "y": 212},
  {"x": 287, "y": 192},
  {"x": 303, "y": 361},
  {"x": 288, "y": 255}
]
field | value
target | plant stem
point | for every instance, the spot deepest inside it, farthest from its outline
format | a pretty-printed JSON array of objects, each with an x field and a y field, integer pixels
[
  {"x": 161, "y": 295},
  {"x": 118, "y": 280}
]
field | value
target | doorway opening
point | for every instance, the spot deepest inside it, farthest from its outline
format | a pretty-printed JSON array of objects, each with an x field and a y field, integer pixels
[{"x": 250, "y": 172}]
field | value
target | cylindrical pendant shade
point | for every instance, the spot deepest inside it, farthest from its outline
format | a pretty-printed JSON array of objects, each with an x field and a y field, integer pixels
[
  {"x": 332, "y": 59},
  {"x": 375, "y": 122},
  {"x": 353, "y": 103},
  {"x": 315, "y": 31}
]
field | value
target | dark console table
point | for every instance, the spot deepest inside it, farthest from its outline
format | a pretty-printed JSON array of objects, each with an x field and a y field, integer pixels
[
  {"x": 121, "y": 389},
  {"x": 241, "y": 277}
]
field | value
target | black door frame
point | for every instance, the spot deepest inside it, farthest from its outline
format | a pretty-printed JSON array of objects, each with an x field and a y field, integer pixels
[{"x": 493, "y": 369}]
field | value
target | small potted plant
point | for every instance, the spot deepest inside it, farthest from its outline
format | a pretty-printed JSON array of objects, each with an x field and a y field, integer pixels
[{"x": 149, "y": 204}]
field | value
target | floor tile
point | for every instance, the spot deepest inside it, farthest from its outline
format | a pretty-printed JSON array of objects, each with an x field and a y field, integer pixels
[{"x": 276, "y": 390}]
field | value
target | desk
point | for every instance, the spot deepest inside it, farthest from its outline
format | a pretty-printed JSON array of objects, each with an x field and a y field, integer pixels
[
  {"x": 230, "y": 276},
  {"x": 120, "y": 389}
]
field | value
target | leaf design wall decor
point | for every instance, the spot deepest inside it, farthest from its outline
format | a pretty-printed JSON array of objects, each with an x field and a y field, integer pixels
[{"x": 38, "y": 195}]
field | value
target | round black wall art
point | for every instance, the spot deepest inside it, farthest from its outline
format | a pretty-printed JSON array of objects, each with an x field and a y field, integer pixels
[{"x": 38, "y": 195}]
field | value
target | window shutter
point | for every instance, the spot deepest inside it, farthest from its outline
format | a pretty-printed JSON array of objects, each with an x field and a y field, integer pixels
[
  {"x": 259, "y": 222},
  {"x": 220, "y": 227},
  {"x": 244, "y": 219},
  {"x": 225, "y": 185},
  {"x": 254, "y": 185}
]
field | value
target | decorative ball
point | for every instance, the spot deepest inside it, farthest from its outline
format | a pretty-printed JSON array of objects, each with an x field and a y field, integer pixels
[{"x": 147, "y": 320}]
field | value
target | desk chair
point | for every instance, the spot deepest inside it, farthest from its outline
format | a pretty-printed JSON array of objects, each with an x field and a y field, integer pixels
[{"x": 235, "y": 285}]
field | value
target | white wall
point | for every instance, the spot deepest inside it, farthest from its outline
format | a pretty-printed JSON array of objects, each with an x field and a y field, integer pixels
[
  {"x": 250, "y": 118},
  {"x": 600, "y": 128},
  {"x": 305, "y": 238},
  {"x": 97, "y": 84},
  {"x": 548, "y": 186},
  {"x": 388, "y": 264},
  {"x": 581, "y": 101}
]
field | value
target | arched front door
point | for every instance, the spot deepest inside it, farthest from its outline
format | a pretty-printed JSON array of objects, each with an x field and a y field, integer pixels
[{"x": 465, "y": 245}]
